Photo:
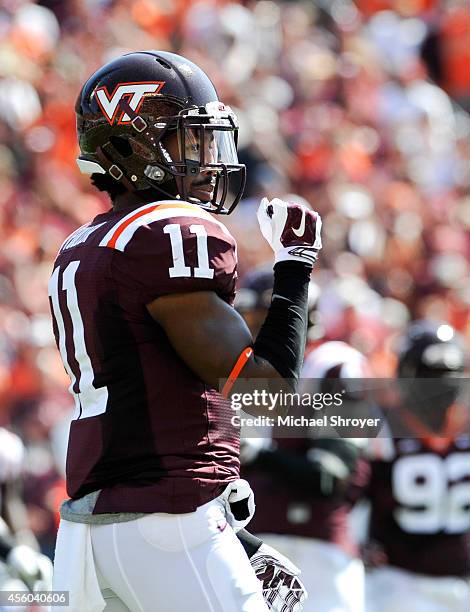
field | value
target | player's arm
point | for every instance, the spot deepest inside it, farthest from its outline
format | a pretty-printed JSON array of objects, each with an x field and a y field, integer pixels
[
  {"x": 212, "y": 338},
  {"x": 208, "y": 334}
]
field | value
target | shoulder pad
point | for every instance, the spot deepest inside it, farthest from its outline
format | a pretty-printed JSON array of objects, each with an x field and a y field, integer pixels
[{"x": 119, "y": 236}]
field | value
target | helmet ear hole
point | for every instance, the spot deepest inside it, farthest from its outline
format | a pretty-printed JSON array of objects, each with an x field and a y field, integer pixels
[
  {"x": 163, "y": 63},
  {"x": 122, "y": 146}
]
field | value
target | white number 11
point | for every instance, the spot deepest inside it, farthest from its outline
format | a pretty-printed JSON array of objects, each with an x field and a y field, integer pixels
[
  {"x": 89, "y": 401},
  {"x": 179, "y": 267}
]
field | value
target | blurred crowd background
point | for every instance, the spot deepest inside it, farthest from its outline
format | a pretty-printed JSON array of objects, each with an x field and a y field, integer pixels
[{"x": 359, "y": 108}]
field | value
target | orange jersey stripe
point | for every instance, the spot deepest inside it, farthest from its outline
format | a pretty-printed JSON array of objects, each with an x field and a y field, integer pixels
[
  {"x": 112, "y": 241},
  {"x": 237, "y": 368}
]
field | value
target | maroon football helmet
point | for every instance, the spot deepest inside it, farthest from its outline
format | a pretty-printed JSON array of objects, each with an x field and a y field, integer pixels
[{"x": 130, "y": 110}]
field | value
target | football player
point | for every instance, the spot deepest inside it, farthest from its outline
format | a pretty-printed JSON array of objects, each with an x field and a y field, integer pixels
[
  {"x": 313, "y": 480},
  {"x": 141, "y": 304},
  {"x": 316, "y": 481},
  {"x": 420, "y": 483},
  {"x": 21, "y": 566}
]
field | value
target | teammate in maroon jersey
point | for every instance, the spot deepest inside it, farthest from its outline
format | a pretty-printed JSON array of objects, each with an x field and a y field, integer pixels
[
  {"x": 310, "y": 478},
  {"x": 420, "y": 485},
  {"x": 141, "y": 302},
  {"x": 316, "y": 483}
]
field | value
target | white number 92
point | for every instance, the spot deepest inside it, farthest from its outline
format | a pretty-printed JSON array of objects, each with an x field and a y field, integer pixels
[{"x": 431, "y": 497}]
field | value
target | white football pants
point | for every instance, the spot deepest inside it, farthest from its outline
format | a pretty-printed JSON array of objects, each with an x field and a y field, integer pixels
[
  {"x": 390, "y": 589},
  {"x": 175, "y": 563}
]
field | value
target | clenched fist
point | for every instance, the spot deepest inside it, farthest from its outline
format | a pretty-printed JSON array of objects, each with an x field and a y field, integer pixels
[{"x": 292, "y": 230}]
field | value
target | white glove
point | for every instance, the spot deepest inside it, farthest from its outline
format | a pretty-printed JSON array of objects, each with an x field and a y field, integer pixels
[
  {"x": 282, "y": 589},
  {"x": 33, "y": 568},
  {"x": 292, "y": 230},
  {"x": 239, "y": 504}
]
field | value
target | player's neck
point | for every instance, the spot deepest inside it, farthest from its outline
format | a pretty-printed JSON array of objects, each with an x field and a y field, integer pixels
[{"x": 127, "y": 200}]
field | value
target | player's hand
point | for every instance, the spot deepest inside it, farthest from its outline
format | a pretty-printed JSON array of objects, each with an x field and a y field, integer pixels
[
  {"x": 292, "y": 230},
  {"x": 282, "y": 589},
  {"x": 33, "y": 568}
]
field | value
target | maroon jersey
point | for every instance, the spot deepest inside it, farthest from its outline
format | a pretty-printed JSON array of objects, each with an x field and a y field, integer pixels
[
  {"x": 147, "y": 431},
  {"x": 288, "y": 509},
  {"x": 420, "y": 505}
]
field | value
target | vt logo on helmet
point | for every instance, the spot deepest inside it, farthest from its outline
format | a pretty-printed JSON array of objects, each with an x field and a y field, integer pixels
[
  {"x": 153, "y": 123},
  {"x": 133, "y": 91}
]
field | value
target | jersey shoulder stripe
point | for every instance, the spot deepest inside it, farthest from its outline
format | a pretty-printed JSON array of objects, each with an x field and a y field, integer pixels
[{"x": 119, "y": 236}]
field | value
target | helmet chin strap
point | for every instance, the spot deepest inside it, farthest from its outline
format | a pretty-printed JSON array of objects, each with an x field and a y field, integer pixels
[
  {"x": 158, "y": 188},
  {"x": 114, "y": 171},
  {"x": 118, "y": 175}
]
